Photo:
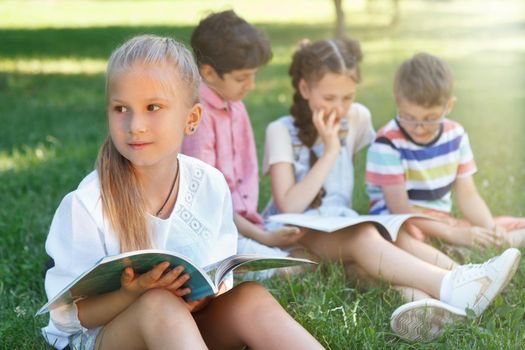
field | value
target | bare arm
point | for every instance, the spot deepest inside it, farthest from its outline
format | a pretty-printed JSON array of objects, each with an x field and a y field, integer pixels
[
  {"x": 292, "y": 197},
  {"x": 396, "y": 199},
  {"x": 397, "y": 202},
  {"x": 247, "y": 228},
  {"x": 282, "y": 237},
  {"x": 470, "y": 203},
  {"x": 99, "y": 310}
]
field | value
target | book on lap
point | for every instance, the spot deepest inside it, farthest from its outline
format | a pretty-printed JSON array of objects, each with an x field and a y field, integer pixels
[
  {"x": 105, "y": 275},
  {"x": 386, "y": 224}
]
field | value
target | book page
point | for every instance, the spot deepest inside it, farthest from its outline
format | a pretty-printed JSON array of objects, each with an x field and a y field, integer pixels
[
  {"x": 390, "y": 223},
  {"x": 252, "y": 262}
]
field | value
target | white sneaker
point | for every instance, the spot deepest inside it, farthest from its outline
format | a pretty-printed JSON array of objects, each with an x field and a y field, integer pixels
[
  {"x": 424, "y": 320},
  {"x": 475, "y": 286}
]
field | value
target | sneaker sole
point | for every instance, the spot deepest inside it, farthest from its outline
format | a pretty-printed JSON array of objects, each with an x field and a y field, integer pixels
[
  {"x": 511, "y": 270},
  {"x": 424, "y": 320}
]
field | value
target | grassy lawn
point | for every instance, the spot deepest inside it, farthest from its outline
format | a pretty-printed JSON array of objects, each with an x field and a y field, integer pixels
[{"x": 52, "y": 61}]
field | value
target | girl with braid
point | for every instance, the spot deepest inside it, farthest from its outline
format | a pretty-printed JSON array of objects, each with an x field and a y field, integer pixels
[{"x": 309, "y": 157}]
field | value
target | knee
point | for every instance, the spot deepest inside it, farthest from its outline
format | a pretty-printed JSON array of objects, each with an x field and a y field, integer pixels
[
  {"x": 251, "y": 295},
  {"x": 160, "y": 304},
  {"x": 251, "y": 289},
  {"x": 402, "y": 238},
  {"x": 366, "y": 232},
  {"x": 158, "y": 311}
]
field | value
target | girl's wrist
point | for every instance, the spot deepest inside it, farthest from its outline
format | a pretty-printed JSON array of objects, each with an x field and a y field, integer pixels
[
  {"x": 264, "y": 237},
  {"x": 332, "y": 152},
  {"x": 257, "y": 234},
  {"x": 130, "y": 295}
]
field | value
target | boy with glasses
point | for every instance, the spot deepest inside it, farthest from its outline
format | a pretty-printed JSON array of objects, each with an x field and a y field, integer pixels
[{"x": 418, "y": 158}]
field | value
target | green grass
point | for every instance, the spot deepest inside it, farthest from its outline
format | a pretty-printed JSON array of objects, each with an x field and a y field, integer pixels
[{"x": 52, "y": 58}]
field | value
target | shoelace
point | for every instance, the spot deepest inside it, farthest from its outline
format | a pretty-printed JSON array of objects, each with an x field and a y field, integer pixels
[{"x": 470, "y": 271}]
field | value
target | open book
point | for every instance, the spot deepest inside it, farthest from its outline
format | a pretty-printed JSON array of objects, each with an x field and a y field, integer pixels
[
  {"x": 105, "y": 275},
  {"x": 386, "y": 224}
]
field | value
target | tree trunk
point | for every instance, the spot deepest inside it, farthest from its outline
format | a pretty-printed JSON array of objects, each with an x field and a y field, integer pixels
[
  {"x": 396, "y": 14},
  {"x": 339, "y": 19}
]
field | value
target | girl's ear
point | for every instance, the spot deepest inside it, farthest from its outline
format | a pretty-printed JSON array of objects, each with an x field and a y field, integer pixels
[
  {"x": 304, "y": 89},
  {"x": 193, "y": 119}
]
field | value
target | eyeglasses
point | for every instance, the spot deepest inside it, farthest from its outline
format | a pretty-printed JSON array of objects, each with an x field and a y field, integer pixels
[{"x": 425, "y": 124}]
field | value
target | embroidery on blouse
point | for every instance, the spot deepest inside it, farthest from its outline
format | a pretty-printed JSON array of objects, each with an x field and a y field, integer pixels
[
  {"x": 186, "y": 215},
  {"x": 195, "y": 182}
]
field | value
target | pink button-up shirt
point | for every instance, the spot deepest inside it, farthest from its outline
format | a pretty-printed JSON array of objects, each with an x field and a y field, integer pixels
[{"x": 224, "y": 139}]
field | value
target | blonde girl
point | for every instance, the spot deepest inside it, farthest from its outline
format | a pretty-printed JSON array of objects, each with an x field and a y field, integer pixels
[{"x": 144, "y": 194}]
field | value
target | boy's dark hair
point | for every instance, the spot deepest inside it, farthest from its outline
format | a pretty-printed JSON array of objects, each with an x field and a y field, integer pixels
[{"x": 227, "y": 42}]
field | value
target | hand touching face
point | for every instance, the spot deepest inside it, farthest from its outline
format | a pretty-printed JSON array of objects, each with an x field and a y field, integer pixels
[
  {"x": 333, "y": 93},
  {"x": 328, "y": 128}
]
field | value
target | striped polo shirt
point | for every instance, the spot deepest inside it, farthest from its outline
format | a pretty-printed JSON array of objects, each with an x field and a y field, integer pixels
[{"x": 427, "y": 171}]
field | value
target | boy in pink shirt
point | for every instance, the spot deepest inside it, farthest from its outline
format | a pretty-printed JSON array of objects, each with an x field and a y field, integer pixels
[{"x": 229, "y": 51}]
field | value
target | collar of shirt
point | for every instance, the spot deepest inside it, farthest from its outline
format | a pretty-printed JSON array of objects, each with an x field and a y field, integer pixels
[{"x": 211, "y": 98}]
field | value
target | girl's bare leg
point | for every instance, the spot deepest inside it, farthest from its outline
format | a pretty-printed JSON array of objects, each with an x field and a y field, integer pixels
[
  {"x": 424, "y": 251},
  {"x": 411, "y": 294},
  {"x": 354, "y": 272},
  {"x": 364, "y": 245},
  {"x": 249, "y": 315},
  {"x": 157, "y": 320}
]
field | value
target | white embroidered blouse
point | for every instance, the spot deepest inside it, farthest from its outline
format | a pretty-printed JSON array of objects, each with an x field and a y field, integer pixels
[{"x": 200, "y": 227}]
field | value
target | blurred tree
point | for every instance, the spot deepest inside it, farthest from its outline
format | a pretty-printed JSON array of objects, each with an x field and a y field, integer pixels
[
  {"x": 340, "y": 30},
  {"x": 395, "y": 10},
  {"x": 339, "y": 19},
  {"x": 395, "y": 15}
]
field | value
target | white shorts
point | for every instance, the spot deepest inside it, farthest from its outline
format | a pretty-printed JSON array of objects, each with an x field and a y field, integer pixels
[{"x": 84, "y": 340}]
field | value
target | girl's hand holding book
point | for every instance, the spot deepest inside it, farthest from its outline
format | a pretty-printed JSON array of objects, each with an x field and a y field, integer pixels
[
  {"x": 172, "y": 280},
  {"x": 283, "y": 237},
  {"x": 199, "y": 304}
]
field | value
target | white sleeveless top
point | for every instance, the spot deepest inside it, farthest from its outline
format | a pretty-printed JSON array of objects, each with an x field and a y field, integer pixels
[{"x": 283, "y": 145}]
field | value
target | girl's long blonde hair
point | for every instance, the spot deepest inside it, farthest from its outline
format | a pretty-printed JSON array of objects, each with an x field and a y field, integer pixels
[{"x": 123, "y": 201}]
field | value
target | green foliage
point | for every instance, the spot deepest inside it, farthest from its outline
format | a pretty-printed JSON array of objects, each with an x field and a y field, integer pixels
[{"x": 52, "y": 118}]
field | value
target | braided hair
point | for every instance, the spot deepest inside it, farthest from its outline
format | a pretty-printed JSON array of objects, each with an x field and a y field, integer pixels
[{"x": 310, "y": 63}]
